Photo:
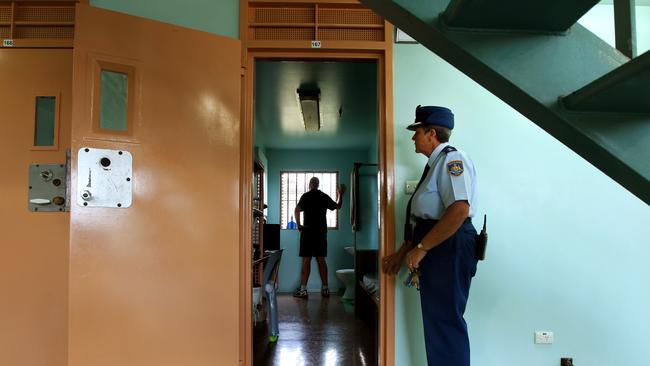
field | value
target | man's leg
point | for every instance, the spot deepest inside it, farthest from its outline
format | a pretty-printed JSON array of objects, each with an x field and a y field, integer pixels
[
  {"x": 304, "y": 276},
  {"x": 322, "y": 269},
  {"x": 305, "y": 254},
  {"x": 306, "y": 270}
]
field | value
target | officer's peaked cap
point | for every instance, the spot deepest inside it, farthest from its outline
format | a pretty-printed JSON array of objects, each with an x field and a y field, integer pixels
[{"x": 432, "y": 116}]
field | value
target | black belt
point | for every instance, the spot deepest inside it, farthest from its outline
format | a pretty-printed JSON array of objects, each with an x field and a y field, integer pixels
[{"x": 431, "y": 222}]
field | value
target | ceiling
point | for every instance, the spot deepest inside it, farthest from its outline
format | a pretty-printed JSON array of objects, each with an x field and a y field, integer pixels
[{"x": 348, "y": 104}]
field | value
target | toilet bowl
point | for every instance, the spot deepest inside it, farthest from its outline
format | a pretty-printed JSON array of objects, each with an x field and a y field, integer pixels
[{"x": 347, "y": 277}]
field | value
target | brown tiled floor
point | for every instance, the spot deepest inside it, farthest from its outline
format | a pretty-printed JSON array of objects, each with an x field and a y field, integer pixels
[{"x": 314, "y": 332}]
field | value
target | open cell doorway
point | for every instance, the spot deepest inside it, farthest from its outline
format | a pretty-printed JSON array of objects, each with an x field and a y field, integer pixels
[{"x": 316, "y": 118}]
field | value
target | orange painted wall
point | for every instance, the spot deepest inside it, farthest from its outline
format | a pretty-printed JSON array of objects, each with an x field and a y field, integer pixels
[{"x": 33, "y": 246}]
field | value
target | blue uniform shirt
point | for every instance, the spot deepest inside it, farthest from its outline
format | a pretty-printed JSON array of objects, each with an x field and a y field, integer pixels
[{"x": 451, "y": 178}]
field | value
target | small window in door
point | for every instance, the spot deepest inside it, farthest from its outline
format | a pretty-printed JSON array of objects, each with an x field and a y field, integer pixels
[
  {"x": 45, "y": 121},
  {"x": 113, "y": 100}
]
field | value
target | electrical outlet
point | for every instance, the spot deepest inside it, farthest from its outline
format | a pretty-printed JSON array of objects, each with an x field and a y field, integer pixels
[
  {"x": 543, "y": 337},
  {"x": 410, "y": 186}
]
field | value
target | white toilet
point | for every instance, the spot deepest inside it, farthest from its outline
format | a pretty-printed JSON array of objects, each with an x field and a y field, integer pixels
[{"x": 347, "y": 277}]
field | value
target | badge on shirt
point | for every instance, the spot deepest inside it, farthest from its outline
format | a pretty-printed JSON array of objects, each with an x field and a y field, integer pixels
[{"x": 455, "y": 168}]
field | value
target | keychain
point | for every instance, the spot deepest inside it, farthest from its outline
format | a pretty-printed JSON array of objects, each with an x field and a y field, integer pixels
[{"x": 413, "y": 279}]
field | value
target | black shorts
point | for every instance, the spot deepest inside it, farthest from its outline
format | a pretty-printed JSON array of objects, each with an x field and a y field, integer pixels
[{"x": 313, "y": 243}]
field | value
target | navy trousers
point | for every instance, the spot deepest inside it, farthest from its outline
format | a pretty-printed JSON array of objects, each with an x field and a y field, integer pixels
[{"x": 446, "y": 275}]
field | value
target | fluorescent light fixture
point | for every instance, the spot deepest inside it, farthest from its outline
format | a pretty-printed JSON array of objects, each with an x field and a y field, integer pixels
[{"x": 309, "y": 105}]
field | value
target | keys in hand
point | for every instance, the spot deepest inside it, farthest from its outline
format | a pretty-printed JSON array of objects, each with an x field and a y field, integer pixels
[{"x": 413, "y": 279}]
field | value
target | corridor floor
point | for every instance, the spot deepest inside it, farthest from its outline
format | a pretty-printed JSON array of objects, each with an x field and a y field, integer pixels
[{"x": 314, "y": 332}]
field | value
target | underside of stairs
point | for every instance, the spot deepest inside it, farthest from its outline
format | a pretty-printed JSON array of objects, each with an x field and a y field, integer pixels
[{"x": 535, "y": 57}]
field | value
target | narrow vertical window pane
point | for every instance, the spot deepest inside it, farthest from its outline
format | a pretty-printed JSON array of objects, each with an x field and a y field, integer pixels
[
  {"x": 113, "y": 94},
  {"x": 45, "y": 118}
]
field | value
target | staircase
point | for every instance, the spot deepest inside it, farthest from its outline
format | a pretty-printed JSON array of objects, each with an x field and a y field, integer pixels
[{"x": 534, "y": 56}]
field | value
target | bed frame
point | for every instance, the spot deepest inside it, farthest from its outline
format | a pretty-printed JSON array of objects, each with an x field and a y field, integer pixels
[{"x": 366, "y": 305}]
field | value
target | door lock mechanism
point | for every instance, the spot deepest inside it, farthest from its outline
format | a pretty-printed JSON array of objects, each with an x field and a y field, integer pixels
[{"x": 47, "y": 187}]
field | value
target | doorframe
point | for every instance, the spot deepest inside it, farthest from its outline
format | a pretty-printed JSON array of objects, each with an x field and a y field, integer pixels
[{"x": 384, "y": 58}]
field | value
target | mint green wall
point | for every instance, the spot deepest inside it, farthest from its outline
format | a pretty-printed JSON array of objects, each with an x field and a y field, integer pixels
[
  {"x": 600, "y": 20},
  {"x": 338, "y": 160},
  {"x": 568, "y": 246},
  {"x": 213, "y": 16}
]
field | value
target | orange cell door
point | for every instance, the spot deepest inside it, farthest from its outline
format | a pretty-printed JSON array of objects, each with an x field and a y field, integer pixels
[{"x": 156, "y": 283}]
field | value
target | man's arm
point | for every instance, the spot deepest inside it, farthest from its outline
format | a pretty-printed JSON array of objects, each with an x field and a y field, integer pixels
[
  {"x": 296, "y": 215},
  {"x": 340, "y": 191}
]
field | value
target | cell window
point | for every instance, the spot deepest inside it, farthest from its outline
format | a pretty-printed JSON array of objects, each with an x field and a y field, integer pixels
[
  {"x": 45, "y": 121},
  {"x": 113, "y": 100},
  {"x": 294, "y": 184}
]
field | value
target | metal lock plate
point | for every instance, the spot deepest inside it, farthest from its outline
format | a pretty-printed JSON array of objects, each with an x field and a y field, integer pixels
[
  {"x": 47, "y": 188},
  {"x": 104, "y": 178}
]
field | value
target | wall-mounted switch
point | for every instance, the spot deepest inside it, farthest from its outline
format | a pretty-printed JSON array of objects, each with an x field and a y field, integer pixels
[
  {"x": 543, "y": 337},
  {"x": 410, "y": 186}
]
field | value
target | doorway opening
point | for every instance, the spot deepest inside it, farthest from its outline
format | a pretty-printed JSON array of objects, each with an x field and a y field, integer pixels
[{"x": 337, "y": 141}]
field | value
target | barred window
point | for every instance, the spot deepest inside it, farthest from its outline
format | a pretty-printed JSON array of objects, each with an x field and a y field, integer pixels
[{"x": 294, "y": 184}]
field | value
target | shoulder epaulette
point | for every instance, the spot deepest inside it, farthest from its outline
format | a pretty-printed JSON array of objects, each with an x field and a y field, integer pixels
[{"x": 448, "y": 149}]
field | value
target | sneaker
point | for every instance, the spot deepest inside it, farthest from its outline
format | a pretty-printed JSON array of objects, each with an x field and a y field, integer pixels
[
  {"x": 300, "y": 293},
  {"x": 325, "y": 292}
]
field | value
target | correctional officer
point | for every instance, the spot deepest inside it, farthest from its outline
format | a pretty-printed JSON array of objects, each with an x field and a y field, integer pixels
[{"x": 439, "y": 238}]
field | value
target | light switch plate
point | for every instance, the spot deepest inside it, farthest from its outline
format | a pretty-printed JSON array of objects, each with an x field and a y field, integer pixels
[
  {"x": 543, "y": 337},
  {"x": 410, "y": 186}
]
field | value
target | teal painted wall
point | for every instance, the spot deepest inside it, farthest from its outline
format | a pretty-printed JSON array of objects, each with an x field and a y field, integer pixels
[
  {"x": 568, "y": 246},
  {"x": 296, "y": 160},
  {"x": 218, "y": 17}
]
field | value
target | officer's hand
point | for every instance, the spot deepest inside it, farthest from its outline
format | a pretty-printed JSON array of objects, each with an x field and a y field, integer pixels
[
  {"x": 414, "y": 257},
  {"x": 391, "y": 264}
]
